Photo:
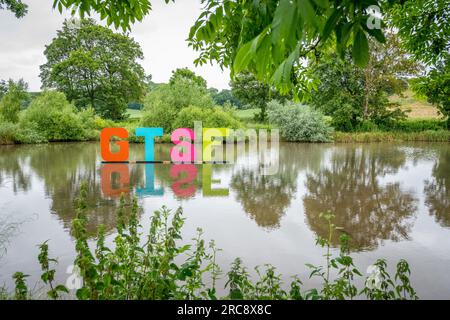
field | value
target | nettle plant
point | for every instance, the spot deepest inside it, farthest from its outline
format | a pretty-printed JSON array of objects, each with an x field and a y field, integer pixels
[{"x": 159, "y": 265}]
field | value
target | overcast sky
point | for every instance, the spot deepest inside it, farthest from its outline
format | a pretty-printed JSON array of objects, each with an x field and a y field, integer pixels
[{"x": 161, "y": 35}]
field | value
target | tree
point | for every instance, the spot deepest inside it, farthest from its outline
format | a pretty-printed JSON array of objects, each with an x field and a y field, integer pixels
[
  {"x": 423, "y": 27},
  {"x": 15, "y": 6},
  {"x": 188, "y": 76},
  {"x": 94, "y": 66},
  {"x": 224, "y": 96},
  {"x": 425, "y": 32},
  {"x": 352, "y": 95},
  {"x": 12, "y": 100},
  {"x": 163, "y": 104},
  {"x": 436, "y": 87},
  {"x": 249, "y": 90}
]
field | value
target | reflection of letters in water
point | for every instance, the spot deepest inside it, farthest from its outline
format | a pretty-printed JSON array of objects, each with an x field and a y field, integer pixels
[
  {"x": 115, "y": 174},
  {"x": 116, "y": 180}
]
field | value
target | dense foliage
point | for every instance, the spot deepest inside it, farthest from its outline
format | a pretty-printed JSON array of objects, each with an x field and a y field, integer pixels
[
  {"x": 12, "y": 97},
  {"x": 55, "y": 118},
  {"x": 215, "y": 117},
  {"x": 188, "y": 76},
  {"x": 224, "y": 96},
  {"x": 436, "y": 87},
  {"x": 94, "y": 67},
  {"x": 424, "y": 28},
  {"x": 254, "y": 93},
  {"x": 353, "y": 96},
  {"x": 299, "y": 123},
  {"x": 163, "y": 104},
  {"x": 129, "y": 10},
  {"x": 258, "y": 36}
]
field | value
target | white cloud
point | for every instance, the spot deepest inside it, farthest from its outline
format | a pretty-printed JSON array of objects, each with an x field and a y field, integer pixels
[{"x": 161, "y": 35}]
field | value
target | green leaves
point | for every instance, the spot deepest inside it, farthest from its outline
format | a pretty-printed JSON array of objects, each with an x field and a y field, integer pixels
[
  {"x": 283, "y": 22},
  {"x": 78, "y": 65},
  {"x": 282, "y": 76},
  {"x": 360, "y": 50},
  {"x": 243, "y": 57},
  {"x": 17, "y": 7},
  {"x": 268, "y": 39},
  {"x": 120, "y": 13}
]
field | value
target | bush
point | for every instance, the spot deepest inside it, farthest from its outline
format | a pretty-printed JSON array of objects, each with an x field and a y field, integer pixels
[
  {"x": 384, "y": 136},
  {"x": 53, "y": 116},
  {"x": 163, "y": 104},
  {"x": 417, "y": 125},
  {"x": 211, "y": 118},
  {"x": 187, "y": 116},
  {"x": 9, "y": 133},
  {"x": 299, "y": 123},
  {"x": 11, "y": 102},
  {"x": 409, "y": 125},
  {"x": 12, "y": 133},
  {"x": 222, "y": 118}
]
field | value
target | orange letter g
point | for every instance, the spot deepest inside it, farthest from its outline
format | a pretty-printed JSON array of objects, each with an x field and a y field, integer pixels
[{"x": 105, "y": 137}]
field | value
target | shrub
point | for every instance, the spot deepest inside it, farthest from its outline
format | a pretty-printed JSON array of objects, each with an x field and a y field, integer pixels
[
  {"x": 210, "y": 117},
  {"x": 383, "y": 136},
  {"x": 53, "y": 116},
  {"x": 222, "y": 117},
  {"x": 409, "y": 125},
  {"x": 417, "y": 125},
  {"x": 187, "y": 116},
  {"x": 9, "y": 133},
  {"x": 299, "y": 123},
  {"x": 12, "y": 133},
  {"x": 163, "y": 104},
  {"x": 11, "y": 102}
]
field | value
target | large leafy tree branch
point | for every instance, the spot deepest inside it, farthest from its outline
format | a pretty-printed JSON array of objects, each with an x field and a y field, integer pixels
[
  {"x": 266, "y": 37},
  {"x": 273, "y": 38}
]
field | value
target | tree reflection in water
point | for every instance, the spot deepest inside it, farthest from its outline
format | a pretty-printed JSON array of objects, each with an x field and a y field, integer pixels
[
  {"x": 70, "y": 165},
  {"x": 12, "y": 162},
  {"x": 350, "y": 188},
  {"x": 437, "y": 190},
  {"x": 266, "y": 198}
]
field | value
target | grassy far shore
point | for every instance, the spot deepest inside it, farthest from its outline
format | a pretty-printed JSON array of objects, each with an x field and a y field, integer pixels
[
  {"x": 415, "y": 128},
  {"x": 423, "y": 124}
]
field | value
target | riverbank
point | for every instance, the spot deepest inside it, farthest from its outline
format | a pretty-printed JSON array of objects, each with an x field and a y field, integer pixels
[
  {"x": 425, "y": 136},
  {"x": 338, "y": 137}
]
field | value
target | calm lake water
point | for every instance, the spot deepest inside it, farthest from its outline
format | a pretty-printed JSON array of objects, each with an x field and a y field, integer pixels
[{"x": 393, "y": 200}]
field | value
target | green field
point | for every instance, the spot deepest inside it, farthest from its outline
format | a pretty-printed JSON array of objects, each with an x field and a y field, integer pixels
[
  {"x": 246, "y": 114},
  {"x": 134, "y": 114}
]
